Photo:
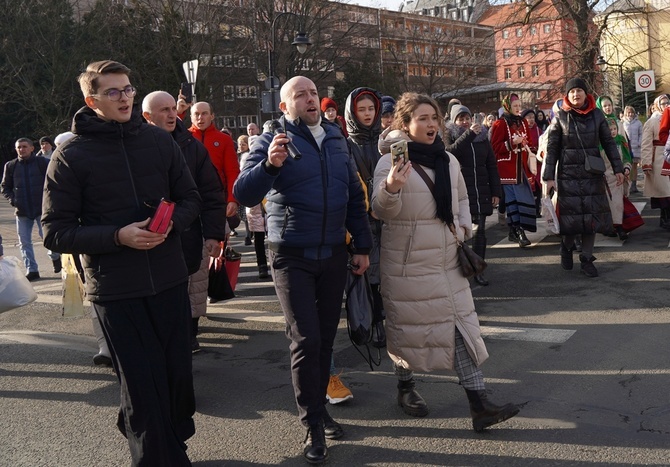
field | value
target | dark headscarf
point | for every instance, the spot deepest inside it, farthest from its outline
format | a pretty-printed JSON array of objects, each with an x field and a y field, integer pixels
[
  {"x": 357, "y": 131},
  {"x": 434, "y": 156},
  {"x": 507, "y": 107}
]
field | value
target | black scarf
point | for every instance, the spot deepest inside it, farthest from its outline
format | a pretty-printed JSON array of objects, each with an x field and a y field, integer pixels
[{"x": 435, "y": 157}]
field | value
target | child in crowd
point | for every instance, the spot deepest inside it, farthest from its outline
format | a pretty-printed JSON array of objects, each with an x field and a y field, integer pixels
[{"x": 617, "y": 192}]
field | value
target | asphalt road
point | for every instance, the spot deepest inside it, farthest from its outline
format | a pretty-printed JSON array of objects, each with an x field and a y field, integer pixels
[{"x": 586, "y": 359}]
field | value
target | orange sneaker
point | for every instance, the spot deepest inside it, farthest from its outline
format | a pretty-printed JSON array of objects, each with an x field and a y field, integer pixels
[{"x": 337, "y": 391}]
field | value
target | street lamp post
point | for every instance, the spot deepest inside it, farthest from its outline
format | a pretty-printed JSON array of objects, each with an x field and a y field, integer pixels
[
  {"x": 301, "y": 43},
  {"x": 603, "y": 64}
]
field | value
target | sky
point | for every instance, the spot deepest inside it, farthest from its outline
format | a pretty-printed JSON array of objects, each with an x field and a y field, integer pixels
[{"x": 388, "y": 4}]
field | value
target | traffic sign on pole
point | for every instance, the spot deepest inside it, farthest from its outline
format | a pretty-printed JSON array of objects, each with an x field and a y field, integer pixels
[{"x": 645, "y": 81}]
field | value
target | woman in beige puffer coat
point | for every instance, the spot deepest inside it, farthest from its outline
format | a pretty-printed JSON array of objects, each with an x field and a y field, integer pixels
[{"x": 431, "y": 319}]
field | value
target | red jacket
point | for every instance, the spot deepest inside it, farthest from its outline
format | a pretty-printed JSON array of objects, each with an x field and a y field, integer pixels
[
  {"x": 222, "y": 153},
  {"x": 512, "y": 160}
]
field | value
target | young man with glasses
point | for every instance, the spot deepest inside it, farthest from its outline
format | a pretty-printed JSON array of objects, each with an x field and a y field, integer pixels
[{"x": 101, "y": 190}]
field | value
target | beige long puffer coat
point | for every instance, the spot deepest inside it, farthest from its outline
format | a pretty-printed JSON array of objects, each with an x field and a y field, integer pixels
[
  {"x": 425, "y": 295},
  {"x": 655, "y": 184}
]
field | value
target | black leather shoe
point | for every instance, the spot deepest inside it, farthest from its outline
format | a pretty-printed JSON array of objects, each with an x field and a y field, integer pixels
[
  {"x": 102, "y": 360},
  {"x": 315, "y": 450},
  {"x": 263, "y": 272},
  {"x": 58, "y": 266},
  {"x": 331, "y": 428},
  {"x": 513, "y": 235},
  {"x": 33, "y": 276},
  {"x": 481, "y": 280},
  {"x": 411, "y": 401}
]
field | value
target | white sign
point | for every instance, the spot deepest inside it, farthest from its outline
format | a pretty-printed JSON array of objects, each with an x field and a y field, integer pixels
[
  {"x": 191, "y": 72},
  {"x": 645, "y": 81}
]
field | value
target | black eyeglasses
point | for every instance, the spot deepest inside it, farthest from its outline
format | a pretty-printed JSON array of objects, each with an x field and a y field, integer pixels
[{"x": 115, "y": 94}]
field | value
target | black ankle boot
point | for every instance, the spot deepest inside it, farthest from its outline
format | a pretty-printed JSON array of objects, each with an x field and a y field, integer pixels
[
  {"x": 58, "y": 266},
  {"x": 485, "y": 413},
  {"x": 623, "y": 236},
  {"x": 567, "y": 262},
  {"x": 513, "y": 235},
  {"x": 331, "y": 428},
  {"x": 588, "y": 268},
  {"x": 411, "y": 401},
  {"x": 521, "y": 235},
  {"x": 263, "y": 272},
  {"x": 315, "y": 450}
]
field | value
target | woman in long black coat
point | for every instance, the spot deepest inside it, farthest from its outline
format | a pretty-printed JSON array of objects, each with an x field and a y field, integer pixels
[
  {"x": 470, "y": 144},
  {"x": 577, "y": 130}
]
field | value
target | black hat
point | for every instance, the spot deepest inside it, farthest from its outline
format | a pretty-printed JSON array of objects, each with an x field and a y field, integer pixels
[
  {"x": 388, "y": 105},
  {"x": 575, "y": 83},
  {"x": 46, "y": 139},
  {"x": 528, "y": 111}
]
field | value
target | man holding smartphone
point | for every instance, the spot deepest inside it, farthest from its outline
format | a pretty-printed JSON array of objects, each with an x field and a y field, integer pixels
[
  {"x": 98, "y": 197},
  {"x": 311, "y": 203}
]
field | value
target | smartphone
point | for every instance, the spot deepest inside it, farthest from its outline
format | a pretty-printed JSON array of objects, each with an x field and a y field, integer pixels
[
  {"x": 162, "y": 217},
  {"x": 399, "y": 153},
  {"x": 477, "y": 118},
  {"x": 187, "y": 91}
]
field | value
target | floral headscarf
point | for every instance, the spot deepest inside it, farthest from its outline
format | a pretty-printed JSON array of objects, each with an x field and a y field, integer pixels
[{"x": 507, "y": 102}]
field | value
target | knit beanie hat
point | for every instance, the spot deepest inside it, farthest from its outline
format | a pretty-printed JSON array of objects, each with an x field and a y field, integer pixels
[
  {"x": 458, "y": 109},
  {"x": 326, "y": 103},
  {"x": 388, "y": 105},
  {"x": 46, "y": 139},
  {"x": 576, "y": 83},
  {"x": 528, "y": 111}
]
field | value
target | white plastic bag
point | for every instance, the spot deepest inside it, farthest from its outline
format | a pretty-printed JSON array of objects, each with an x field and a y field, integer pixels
[
  {"x": 15, "y": 290},
  {"x": 549, "y": 214},
  {"x": 73, "y": 288}
]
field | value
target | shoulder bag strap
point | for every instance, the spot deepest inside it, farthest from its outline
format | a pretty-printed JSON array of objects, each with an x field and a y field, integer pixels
[{"x": 422, "y": 173}]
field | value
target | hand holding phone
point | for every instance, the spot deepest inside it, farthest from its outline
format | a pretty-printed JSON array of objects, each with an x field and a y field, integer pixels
[
  {"x": 399, "y": 152},
  {"x": 186, "y": 90}
]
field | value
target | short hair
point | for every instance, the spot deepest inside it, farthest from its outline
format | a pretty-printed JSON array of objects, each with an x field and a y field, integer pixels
[
  {"x": 211, "y": 108},
  {"x": 25, "y": 140},
  {"x": 243, "y": 139},
  {"x": 147, "y": 102},
  {"x": 88, "y": 80},
  {"x": 407, "y": 104}
]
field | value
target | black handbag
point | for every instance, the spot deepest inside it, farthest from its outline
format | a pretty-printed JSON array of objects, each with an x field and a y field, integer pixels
[
  {"x": 471, "y": 263},
  {"x": 594, "y": 164}
]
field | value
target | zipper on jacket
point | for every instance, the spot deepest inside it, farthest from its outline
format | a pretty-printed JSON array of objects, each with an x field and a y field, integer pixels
[
  {"x": 283, "y": 229},
  {"x": 324, "y": 179},
  {"x": 137, "y": 204}
]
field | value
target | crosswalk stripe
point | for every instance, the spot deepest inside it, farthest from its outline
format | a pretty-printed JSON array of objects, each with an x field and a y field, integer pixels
[{"x": 549, "y": 336}]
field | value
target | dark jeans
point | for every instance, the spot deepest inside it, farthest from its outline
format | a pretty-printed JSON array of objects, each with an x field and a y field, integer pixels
[
  {"x": 150, "y": 344},
  {"x": 310, "y": 293}
]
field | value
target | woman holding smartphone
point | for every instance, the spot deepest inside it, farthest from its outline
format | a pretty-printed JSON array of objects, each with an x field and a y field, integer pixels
[{"x": 431, "y": 323}]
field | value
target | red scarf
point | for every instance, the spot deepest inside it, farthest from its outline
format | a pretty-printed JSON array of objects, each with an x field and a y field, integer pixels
[{"x": 590, "y": 105}]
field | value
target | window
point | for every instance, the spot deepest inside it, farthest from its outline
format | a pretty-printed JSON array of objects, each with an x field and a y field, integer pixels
[
  {"x": 244, "y": 120},
  {"x": 536, "y": 70},
  {"x": 229, "y": 93},
  {"x": 508, "y": 73},
  {"x": 229, "y": 121},
  {"x": 521, "y": 72},
  {"x": 247, "y": 92},
  {"x": 519, "y": 51},
  {"x": 519, "y": 32},
  {"x": 533, "y": 50},
  {"x": 505, "y": 34},
  {"x": 533, "y": 30},
  {"x": 546, "y": 28},
  {"x": 507, "y": 53}
]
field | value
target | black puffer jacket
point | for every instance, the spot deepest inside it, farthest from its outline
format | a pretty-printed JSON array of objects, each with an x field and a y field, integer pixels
[
  {"x": 478, "y": 166},
  {"x": 212, "y": 221},
  {"x": 22, "y": 185},
  {"x": 582, "y": 196},
  {"x": 106, "y": 177}
]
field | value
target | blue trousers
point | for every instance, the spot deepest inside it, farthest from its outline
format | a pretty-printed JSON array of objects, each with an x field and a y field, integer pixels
[{"x": 24, "y": 229}]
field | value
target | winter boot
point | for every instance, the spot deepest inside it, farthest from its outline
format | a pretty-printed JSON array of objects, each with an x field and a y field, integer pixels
[
  {"x": 513, "y": 235},
  {"x": 623, "y": 236},
  {"x": 315, "y": 450},
  {"x": 58, "y": 266},
  {"x": 566, "y": 257},
  {"x": 485, "y": 413},
  {"x": 588, "y": 268},
  {"x": 523, "y": 240},
  {"x": 332, "y": 429},
  {"x": 411, "y": 401},
  {"x": 263, "y": 271}
]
